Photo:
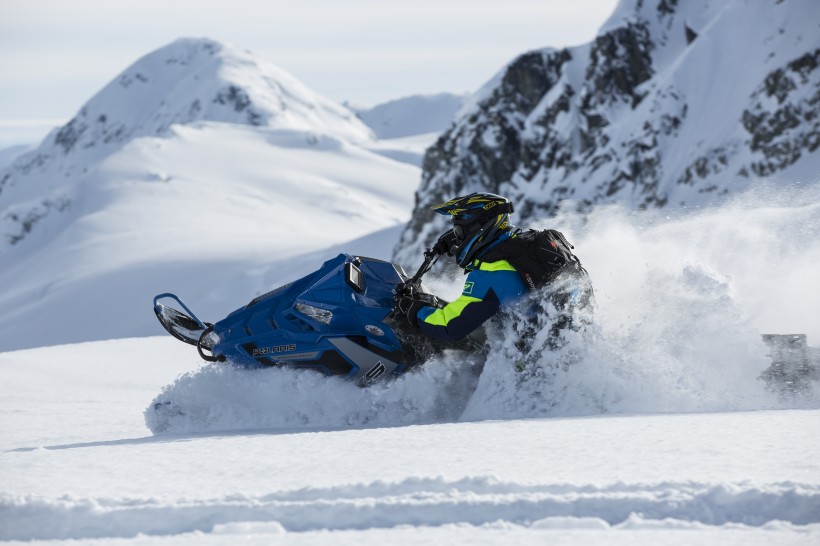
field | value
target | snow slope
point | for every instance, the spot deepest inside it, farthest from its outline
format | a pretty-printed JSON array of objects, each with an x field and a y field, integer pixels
[
  {"x": 10, "y": 153},
  {"x": 142, "y": 193},
  {"x": 215, "y": 212},
  {"x": 410, "y": 149},
  {"x": 413, "y": 115}
]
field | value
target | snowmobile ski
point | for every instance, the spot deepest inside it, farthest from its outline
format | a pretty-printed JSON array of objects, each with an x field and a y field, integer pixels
[{"x": 184, "y": 327}]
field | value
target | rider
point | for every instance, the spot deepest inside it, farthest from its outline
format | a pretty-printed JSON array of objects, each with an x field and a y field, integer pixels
[{"x": 486, "y": 246}]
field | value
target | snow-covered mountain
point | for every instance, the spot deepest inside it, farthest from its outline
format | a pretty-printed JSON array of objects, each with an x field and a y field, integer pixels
[
  {"x": 200, "y": 167},
  {"x": 674, "y": 104},
  {"x": 412, "y": 115},
  {"x": 186, "y": 82}
]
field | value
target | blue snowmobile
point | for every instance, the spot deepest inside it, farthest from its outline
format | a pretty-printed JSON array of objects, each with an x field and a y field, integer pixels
[{"x": 338, "y": 320}]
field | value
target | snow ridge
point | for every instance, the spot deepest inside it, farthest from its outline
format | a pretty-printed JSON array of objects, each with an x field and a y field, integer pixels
[{"x": 418, "y": 502}]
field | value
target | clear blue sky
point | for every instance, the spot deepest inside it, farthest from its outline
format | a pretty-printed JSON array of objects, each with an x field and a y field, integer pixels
[{"x": 55, "y": 54}]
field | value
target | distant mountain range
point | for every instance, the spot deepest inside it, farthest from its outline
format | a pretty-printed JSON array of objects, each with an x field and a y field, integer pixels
[
  {"x": 412, "y": 115},
  {"x": 674, "y": 104}
]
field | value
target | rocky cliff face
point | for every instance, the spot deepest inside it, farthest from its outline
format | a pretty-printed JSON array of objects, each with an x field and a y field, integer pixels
[{"x": 672, "y": 105}]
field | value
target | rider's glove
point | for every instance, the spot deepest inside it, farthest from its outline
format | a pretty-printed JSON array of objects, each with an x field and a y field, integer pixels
[
  {"x": 409, "y": 305},
  {"x": 445, "y": 243}
]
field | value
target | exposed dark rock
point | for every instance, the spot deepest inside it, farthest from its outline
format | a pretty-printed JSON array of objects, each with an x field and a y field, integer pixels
[
  {"x": 498, "y": 150},
  {"x": 667, "y": 7},
  {"x": 33, "y": 216},
  {"x": 68, "y": 136},
  {"x": 620, "y": 60},
  {"x": 779, "y": 137},
  {"x": 237, "y": 97},
  {"x": 712, "y": 162},
  {"x": 691, "y": 35}
]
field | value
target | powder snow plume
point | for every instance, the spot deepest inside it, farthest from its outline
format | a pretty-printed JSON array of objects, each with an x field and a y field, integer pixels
[{"x": 681, "y": 302}]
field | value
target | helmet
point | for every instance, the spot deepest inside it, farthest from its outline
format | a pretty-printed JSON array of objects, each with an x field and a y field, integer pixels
[{"x": 479, "y": 219}]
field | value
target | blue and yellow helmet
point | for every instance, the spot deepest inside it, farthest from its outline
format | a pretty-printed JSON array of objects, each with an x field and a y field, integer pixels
[{"x": 479, "y": 219}]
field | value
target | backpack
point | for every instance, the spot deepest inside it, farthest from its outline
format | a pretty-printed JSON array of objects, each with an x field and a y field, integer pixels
[{"x": 538, "y": 256}]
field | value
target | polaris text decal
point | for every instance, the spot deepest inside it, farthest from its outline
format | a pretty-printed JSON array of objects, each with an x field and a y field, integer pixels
[{"x": 274, "y": 349}]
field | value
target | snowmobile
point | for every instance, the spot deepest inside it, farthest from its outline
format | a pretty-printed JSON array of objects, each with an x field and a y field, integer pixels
[{"x": 338, "y": 320}]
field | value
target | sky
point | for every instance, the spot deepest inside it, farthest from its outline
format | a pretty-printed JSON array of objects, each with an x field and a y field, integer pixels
[{"x": 54, "y": 55}]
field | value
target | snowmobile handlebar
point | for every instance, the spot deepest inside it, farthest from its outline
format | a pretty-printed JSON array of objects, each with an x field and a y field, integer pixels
[
  {"x": 411, "y": 286},
  {"x": 429, "y": 259},
  {"x": 444, "y": 245}
]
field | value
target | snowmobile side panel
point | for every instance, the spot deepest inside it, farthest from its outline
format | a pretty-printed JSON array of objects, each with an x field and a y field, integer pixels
[{"x": 371, "y": 365}]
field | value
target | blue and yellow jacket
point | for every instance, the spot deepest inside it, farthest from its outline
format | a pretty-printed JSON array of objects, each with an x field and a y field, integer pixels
[{"x": 489, "y": 285}]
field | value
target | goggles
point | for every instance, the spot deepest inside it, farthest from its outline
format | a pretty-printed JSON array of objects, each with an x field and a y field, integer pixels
[{"x": 458, "y": 231}]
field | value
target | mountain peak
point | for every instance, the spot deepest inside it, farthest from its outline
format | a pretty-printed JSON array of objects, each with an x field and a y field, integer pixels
[
  {"x": 199, "y": 79},
  {"x": 187, "y": 82}
]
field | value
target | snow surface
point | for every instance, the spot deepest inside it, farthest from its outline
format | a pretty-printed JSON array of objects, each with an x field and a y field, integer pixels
[
  {"x": 659, "y": 432},
  {"x": 408, "y": 149},
  {"x": 79, "y": 464},
  {"x": 9, "y": 153}
]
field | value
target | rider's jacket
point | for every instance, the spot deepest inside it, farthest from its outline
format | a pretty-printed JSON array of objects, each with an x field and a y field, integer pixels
[{"x": 488, "y": 286}]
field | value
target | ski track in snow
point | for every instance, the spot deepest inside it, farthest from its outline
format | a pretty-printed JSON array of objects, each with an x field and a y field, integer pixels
[{"x": 415, "y": 502}]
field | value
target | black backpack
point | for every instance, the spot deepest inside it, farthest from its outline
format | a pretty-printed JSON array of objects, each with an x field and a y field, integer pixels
[{"x": 538, "y": 256}]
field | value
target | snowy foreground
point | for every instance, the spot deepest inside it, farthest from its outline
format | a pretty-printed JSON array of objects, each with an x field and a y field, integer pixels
[
  {"x": 78, "y": 462},
  {"x": 661, "y": 434}
]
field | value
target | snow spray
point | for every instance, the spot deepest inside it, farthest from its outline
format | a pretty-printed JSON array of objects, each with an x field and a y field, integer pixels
[{"x": 681, "y": 302}]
